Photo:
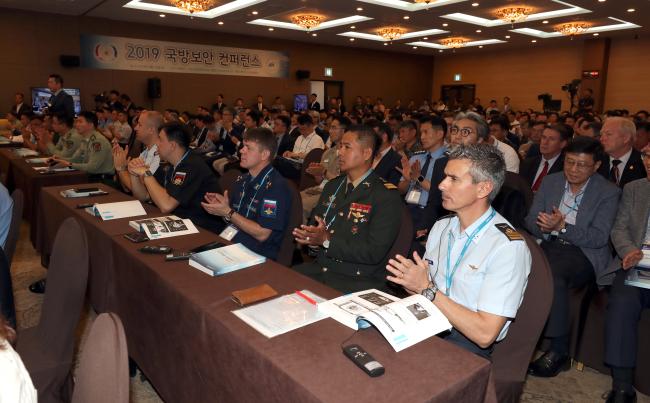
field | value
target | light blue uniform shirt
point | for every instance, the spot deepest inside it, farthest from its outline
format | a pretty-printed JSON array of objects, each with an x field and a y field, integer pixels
[
  {"x": 6, "y": 206},
  {"x": 493, "y": 273},
  {"x": 422, "y": 157}
]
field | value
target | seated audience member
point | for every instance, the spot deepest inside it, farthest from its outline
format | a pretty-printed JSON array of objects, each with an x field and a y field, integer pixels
[
  {"x": 227, "y": 161},
  {"x": 355, "y": 221},
  {"x": 572, "y": 213},
  {"x": 593, "y": 130},
  {"x": 229, "y": 135},
  {"x": 6, "y": 206},
  {"x": 94, "y": 154},
  {"x": 551, "y": 160},
  {"x": 623, "y": 163},
  {"x": 481, "y": 285},
  {"x": 408, "y": 141},
  {"x": 146, "y": 132},
  {"x": 500, "y": 130},
  {"x": 630, "y": 233},
  {"x": 17, "y": 386},
  {"x": 416, "y": 172},
  {"x": 509, "y": 153},
  {"x": 258, "y": 207},
  {"x": 120, "y": 129},
  {"x": 325, "y": 170},
  {"x": 68, "y": 142},
  {"x": 180, "y": 188},
  {"x": 34, "y": 132},
  {"x": 642, "y": 135},
  {"x": 207, "y": 136},
  {"x": 285, "y": 140},
  {"x": 531, "y": 148},
  {"x": 307, "y": 141},
  {"x": 387, "y": 160},
  {"x": 13, "y": 125}
]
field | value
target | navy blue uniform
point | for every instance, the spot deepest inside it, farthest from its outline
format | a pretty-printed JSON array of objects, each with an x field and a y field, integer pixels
[{"x": 265, "y": 199}]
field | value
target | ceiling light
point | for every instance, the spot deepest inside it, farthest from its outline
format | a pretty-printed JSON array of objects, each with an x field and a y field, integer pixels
[
  {"x": 385, "y": 43},
  {"x": 630, "y": 10},
  {"x": 162, "y": 15},
  {"x": 513, "y": 14},
  {"x": 406, "y": 17},
  {"x": 424, "y": 1},
  {"x": 572, "y": 28},
  {"x": 440, "y": 50},
  {"x": 545, "y": 22},
  {"x": 507, "y": 36},
  {"x": 359, "y": 8},
  {"x": 271, "y": 29},
  {"x": 254, "y": 13},
  {"x": 596, "y": 34},
  {"x": 391, "y": 33},
  {"x": 306, "y": 21},
  {"x": 220, "y": 23},
  {"x": 480, "y": 47},
  {"x": 454, "y": 43},
  {"x": 474, "y": 4},
  {"x": 351, "y": 39},
  {"x": 194, "y": 6},
  {"x": 534, "y": 41},
  {"x": 602, "y": 1},
  {"x": 415, "y": 47},
  {"x": 478, "y": 31},
  {"x": 425, "y": 38},
  {"x": 445, "y": 25},
  {"x": 314, "y": 34}
]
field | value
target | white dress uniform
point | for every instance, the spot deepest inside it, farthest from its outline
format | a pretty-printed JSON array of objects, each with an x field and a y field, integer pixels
[
  {"x": 491, "y": 275},
  {"x": 151, "y": 158}
]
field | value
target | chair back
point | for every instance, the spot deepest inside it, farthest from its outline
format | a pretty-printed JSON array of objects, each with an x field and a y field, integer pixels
[
  {"x": 67, "y": 278},
  {"x": 103, "y": 372},
  {"x": 306, "y": 180},
  {"x": 7, "y": 307},
  {"x": 227, "y": 180},
  {"x": 511, "y": 356},
  {"x": 514, "y": 199},
  {"x": 14, "y": 228},
  {"x": 285, "y": 254}
]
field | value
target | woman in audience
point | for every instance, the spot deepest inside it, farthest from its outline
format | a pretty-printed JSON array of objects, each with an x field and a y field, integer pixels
[{"x": 15, "y": 384}]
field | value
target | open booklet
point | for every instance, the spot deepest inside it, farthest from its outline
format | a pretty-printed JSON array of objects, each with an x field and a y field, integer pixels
[
  {"x": 403, "y": 322},
  {"x": 164, "y": 227},
  {"x": 283, "y": 314},
  {"x": 638, "y": 278},
  {"x": 645, "y": 260}
]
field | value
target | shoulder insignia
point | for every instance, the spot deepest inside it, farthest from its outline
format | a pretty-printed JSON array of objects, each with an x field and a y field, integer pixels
[
  {"x": 97, "y": 146},
  {"x": 419, "y": 152},
  {"x": 452, "y": 215},
  {"x": 389, "y": 186},
  {"x": 509, "y": 232}
]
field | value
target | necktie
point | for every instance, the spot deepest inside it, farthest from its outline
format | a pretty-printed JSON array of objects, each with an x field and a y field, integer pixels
[
  {"x": 425, "y": 167},
  {"x": 349, "y": 189},
  {"x": 613, "y": 172},
  {"x": 541, "y": 176}
]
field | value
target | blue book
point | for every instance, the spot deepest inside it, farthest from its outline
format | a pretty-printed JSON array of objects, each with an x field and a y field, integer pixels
[{"x": 219, "y": 261}]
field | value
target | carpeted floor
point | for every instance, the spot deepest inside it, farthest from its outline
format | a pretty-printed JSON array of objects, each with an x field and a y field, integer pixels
[{"x": 571, "y": 386}]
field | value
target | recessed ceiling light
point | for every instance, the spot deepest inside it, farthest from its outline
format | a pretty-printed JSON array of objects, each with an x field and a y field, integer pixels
[
  {"x": 220, "y": 22},
  {"x": 351, "y": 39},
  {"x": 254, "y": 13},
  {"x": 314, "y": 34},
  {"x": 440, "y": 50},
  {"x": 415, "y": 47},
  {"x": 507, "y": 36},
  {"x": 602, "y": 1},
  {"x": 534, "y": 40},
  {"x": 596, "y": 34},
  {"x": 271, "y": 29},
  {"x": 406, "y": 17},
  {"x": 480, "y": 47},
  {"x": 359, "y": 8},
  {"x": 162, "y": 15},
  {"x": 425, "y": 38},
  {"x": 352, "y": 27},
  {"x": 385, "y": 44},
  {"x": 630, "y": 10},
  {"x": 478, "y": 31},
  {"x": 545, "y": 22},
  {"x": 445, "y": 25},
  {"x": 474, "y": 4}
]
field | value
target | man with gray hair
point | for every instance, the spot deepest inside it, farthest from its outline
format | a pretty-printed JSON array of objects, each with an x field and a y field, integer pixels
[
  {"x": 623, "y": 163},
  {"x": 476, "y": 266}
]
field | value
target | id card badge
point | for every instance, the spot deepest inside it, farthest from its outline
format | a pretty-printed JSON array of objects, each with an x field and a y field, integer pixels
[
  {"x": 413, "y": 196},
  {"x": 229, "y": 233}
]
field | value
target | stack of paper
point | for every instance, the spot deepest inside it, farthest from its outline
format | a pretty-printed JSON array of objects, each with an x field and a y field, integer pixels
[
  {"x": 219, "y": 261},
  {"x": 638, "y": 278},
  {"x": 164, "y": 227},
  {"x": 113, "y": 211},
  {"x": 82, "y": 192},
  {"x": 25, "y": 152}
]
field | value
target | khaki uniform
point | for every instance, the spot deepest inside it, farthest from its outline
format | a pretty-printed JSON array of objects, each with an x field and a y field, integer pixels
[
  {"x": 310, "y": 196},
  {"x": 67, "y": 144},
  {"x": 94, "y": 155}
]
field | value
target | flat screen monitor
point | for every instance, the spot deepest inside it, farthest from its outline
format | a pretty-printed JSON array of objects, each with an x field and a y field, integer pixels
[
  {"x": 41, "y": 95},
  {"x": 300, "y": 102}
]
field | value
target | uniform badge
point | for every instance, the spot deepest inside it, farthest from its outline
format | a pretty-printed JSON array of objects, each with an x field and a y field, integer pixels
[
  {"x": 269, "y": 208},
  {"x": 509, "y": 232},
  {"x": 390, "y": 186},
  {"x": 97, "y": 147},
  {"x": 179, "y": 178},
  {"x": 354, "y": 229},
  {"x": 367, "y": 184},
  {"x": 359, "y": 212}
]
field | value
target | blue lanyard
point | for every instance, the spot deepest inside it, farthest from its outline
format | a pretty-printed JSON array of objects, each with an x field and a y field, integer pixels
[
  {"x": 243, "y": 195},
  {"x": 329, "y": 206},
  {"x": 176, "y": 166},
  {"x": 449, "y": 277},
  {"x": 576, "y": 202}
]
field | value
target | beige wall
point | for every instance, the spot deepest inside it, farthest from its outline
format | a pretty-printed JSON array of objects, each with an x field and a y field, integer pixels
[
  {"x": 628, "y": 82},
  {"x": 521, "y": 74},
  {"x": 32, "y": 43}
]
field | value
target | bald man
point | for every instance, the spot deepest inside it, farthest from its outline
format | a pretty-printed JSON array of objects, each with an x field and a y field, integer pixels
[{"x": 623, "y": 163}]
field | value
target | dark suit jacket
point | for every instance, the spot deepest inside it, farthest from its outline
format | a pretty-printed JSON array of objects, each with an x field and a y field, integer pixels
[
  {"x": 514, "y": 199},
  {"x": 286, "y": 143},
  {"x": 315, "y": 106},
  {"x": 594, "y": 220},
  {"x": 24, "y": 108},
  {"x": 634, "y": 169},
  {"x": 218, "y": 107},
  {"x": 386, "y": 167},
  {"x": 62, "y": 103},
  {"x": 529, "y": 166},
  {"x": 225, "y": 144},
  {"x": 434, "y": 208}
]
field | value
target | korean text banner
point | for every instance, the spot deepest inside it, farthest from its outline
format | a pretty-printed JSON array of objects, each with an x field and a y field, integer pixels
[{"x": 118, "y": 53}]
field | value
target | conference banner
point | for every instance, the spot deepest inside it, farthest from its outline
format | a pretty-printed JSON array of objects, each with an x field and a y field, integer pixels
[{"x": 118, "y": 53}]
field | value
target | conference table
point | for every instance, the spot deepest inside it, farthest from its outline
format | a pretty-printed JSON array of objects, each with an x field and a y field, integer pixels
[{"x": 182, "y": 333}]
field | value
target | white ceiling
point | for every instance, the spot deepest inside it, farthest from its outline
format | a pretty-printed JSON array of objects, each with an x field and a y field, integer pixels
[{"x": 608, "y": 19}]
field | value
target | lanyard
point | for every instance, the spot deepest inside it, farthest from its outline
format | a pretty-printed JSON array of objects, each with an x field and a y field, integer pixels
[
  {"x": 176, "y": 166},
  {"x": 449, "y": 277},
  {"x": 329, "y": 206},
  {"x": 576, "y": 202},
  {"x": 243, "y": 195}
]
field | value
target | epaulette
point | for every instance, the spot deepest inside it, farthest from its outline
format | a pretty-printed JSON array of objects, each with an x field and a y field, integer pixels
[
  {"x": 420, "y": 152},
  {"x": 509, "y": 232},
  {"x": 452, "y": 215},
  {"x": 389, "y": 186}
]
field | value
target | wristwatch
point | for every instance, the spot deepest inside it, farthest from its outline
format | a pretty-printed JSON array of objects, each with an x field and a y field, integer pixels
[
  {"x": 326, "y": 244},
  {"x": 420, "y": 179},
  {"x": 228, "y": 217},
  {"x": 430, "y": 292},
  {"x": 148, "y": 173}
]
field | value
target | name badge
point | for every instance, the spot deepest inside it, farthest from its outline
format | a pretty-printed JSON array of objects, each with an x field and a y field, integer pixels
[
  {"x": 229, "y": 233},
  {"x": 413, "y": 196}
]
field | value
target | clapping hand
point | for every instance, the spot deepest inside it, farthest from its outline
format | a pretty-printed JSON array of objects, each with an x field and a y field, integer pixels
[{"x": 311, "y": 234}]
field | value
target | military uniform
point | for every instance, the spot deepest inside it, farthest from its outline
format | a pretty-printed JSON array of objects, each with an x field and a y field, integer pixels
[
  {"x": 265, "y": 199},
  {"x": 363, "y": 224},
  {"x": 310, "y": 196},
  {"x": 416, "y": 197},
  {"x": 66, "y": 145},
  {"x": 417, "y": 146},
  {"x": 94, "y": 155},
  {"x": 188, "y": 183}
]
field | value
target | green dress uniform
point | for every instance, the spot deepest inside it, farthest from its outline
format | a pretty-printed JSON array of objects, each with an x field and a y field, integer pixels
[
  {"x": 363, "y": 224},
  {"x": 67, "y": 144},
  {"x": 94, "y": 155}
]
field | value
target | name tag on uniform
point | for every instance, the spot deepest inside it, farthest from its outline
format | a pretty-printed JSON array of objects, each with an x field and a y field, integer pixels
[
  {"x": 413, "y": 196},
  {"x": 229, "y": 233}
]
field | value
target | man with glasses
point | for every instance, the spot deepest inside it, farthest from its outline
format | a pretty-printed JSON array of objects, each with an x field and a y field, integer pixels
[{"x": 572, "y": 213}]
